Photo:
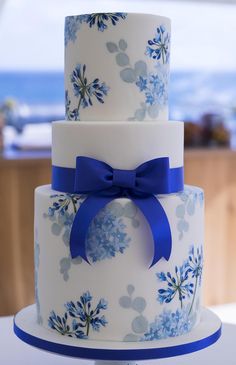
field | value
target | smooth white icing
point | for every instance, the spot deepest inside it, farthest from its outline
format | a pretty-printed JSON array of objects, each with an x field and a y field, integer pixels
[
  {"x": 122, "y": 145},
  {"x": 109, "y": 278}
]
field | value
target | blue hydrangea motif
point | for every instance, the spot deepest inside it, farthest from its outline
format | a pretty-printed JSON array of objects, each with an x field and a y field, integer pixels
[
  {"x": 169, "y": 324},
  {"x": 159, "y": 47},
  {"x": 106, "y": 236},
  {"x": 153, "y": 84},
  {"x": 101, "y": 19},
  {"x": 72, "y": 25},
  {"x": 82, "y": 317},
  {"x": 85, "y": 91},
  {"x": 154, "y": 89}
]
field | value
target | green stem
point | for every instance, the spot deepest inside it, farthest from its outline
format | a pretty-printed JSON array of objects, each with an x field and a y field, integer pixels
[
  {"x": 87, "y": 328},
  {"x": 79, "y": 103},
  {"x": 194, "y": 294},
  {"x": 74, "y": 205}
]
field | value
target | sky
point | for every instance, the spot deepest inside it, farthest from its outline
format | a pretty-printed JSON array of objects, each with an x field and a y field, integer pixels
[{"x": 31, "y": 32}]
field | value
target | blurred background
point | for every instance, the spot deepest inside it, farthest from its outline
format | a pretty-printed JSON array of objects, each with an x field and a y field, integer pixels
[{"x": 202, "y": 94}]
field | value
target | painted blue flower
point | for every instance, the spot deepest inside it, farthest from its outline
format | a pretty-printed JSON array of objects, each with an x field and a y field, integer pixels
[
  {"x": 106, "y": 236},
  {"x": 60, "y": 324},
  {"x": 72, "y": 25},
  {"x": 176, "y": 285},
  {"x": 195, "y": 263},
  {"x": 169, "y": 324},
  {"x": 155, "y": 89},
  {"x": 87, "y": 316},
  {"x": 101, "y": 19},
  {"x": 62, "y": 203},
  {"x": 159, "y": 47},
  {"x": 85, "y": 91}
]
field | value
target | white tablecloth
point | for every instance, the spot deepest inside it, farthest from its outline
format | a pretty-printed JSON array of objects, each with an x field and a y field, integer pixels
[{"x": 15, "y": 352}]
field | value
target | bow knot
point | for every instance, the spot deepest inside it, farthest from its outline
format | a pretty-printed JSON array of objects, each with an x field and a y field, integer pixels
[{"x": 124, "y": 178}]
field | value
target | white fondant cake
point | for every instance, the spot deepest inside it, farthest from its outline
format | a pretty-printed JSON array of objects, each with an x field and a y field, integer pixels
[
  {"x": 122, "y": 60},
  {"x": 116, "y": 112}
]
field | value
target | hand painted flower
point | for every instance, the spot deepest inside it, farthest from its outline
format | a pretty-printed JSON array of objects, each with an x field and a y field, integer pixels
[
  {"x": 84, "y": 91},
  {"x": 169, "y": 324},
  {"x": 101, "y": 19},
  {"x": 106, "y": 236},
  {"x": 195, "y": 263},
  {"x": 60, "y": 324},
  {"x": 154, "y": 88},
  {"x": 159, "y": 47},
  {"x": 72, "y": 25},
  {"x": 175, "y": 285}
]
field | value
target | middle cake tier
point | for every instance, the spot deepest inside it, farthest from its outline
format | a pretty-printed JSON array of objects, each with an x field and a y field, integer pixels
[{"x": 122, "y": 145}]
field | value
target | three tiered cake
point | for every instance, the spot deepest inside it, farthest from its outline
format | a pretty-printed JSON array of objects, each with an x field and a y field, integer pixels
[{"x": 118, "y": 237}]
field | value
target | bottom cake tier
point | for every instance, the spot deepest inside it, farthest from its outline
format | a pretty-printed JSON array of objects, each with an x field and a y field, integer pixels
[{"x": 118, "y": 297}]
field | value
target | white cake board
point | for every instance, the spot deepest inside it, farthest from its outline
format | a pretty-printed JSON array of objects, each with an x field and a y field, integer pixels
[{"x": 28, "y": 330}]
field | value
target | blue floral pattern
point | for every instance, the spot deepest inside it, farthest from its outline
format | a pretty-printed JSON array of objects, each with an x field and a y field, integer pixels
[
  {"x": 159, "y": 47},
  {"x": 169, "y": 324},
  {"x": 189, "y": 198},
  {"x": 185, "y": 281},
  {"x": 177, "y": 284},
  {"x": 138, "y": 304},
  {"x": 72, "y": 25},
  {"x": 79, "y": 317},
  {"x": 85, "y": 91},
  {"x": 106, "y": 236},
  {"x": 36, "y": 273},
  {"x": 101, "y": 20},
  {"x": 153, "y": 84}
]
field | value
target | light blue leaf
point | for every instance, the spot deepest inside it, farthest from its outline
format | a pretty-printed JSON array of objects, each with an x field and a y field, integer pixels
[
  {"x": 56, "y": 229},
  {"x": 122, "y": 59},
  {"x": 128, "y": 75},
  {"x": 130, "y": 210},
  {"x": 139, "y": 304},
  {"x": 153, "y": 111},
  {"x": 130, "y": 289},
  {"x": 180, "y": 211},
  {"x": 139, "y": 324},
  {"x": 140, "y": 68},
  {"x": 131, "y": 338},
  {"x": 140, "y": 114},
  {"x": 111, "y": 47},
  {"x": 122, "y": 44},
  {"x": 125, "y": 302}
]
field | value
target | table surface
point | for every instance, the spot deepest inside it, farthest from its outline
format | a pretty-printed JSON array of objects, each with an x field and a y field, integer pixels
[{"x": 13, "y": 351}]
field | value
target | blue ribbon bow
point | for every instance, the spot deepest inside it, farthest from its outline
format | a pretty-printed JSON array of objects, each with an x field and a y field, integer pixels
[{"x": 102, "y": 184}]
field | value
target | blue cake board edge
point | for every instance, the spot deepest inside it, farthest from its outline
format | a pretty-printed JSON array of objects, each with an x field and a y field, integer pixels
[{"x": 119, "y": 354}]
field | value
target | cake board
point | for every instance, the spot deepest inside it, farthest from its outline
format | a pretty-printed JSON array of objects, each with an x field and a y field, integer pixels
[{"x": 28, "y": 330}]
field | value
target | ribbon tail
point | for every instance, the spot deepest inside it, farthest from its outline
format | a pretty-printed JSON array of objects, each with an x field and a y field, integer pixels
[
  {"x": 84, "y": 216},
  {"x": 159, "y": 224}
]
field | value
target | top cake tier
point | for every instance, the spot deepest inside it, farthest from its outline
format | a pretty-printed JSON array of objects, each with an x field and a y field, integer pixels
[{"x": 117, "y": 67}]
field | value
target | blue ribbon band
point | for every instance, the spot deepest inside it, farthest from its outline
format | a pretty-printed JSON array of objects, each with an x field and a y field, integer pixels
[{"x": 103, "y": 184}]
